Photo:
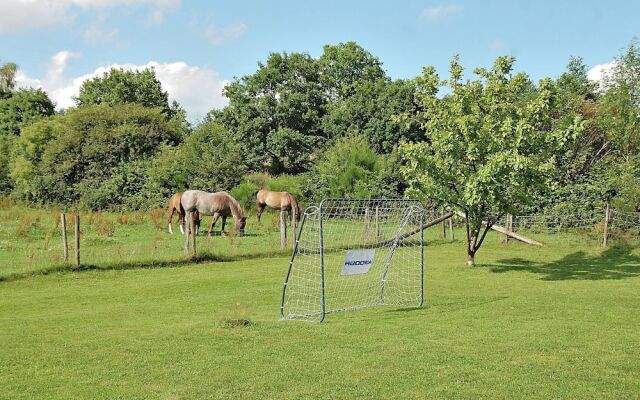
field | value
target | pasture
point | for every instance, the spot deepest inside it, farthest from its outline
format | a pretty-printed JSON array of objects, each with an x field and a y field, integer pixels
[{"x": 141, "y": 321}]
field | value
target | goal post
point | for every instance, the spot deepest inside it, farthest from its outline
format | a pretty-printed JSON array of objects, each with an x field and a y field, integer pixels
[{"x": 352, "y": 254}]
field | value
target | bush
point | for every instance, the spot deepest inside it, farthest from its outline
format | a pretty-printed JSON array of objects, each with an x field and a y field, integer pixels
[
  {"x": 245, "y": 194},
  {"x": 351, "y": 168},
  {"x": 208, "y": 160},
  {"x": 286, "y": 183},
  {"x": 260, "y": 179},
  {"x": 94, "y": 156}
]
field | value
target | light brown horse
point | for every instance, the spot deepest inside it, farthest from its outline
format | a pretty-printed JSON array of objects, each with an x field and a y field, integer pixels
[
  {"x": 219, "y": 204},
  {"x": 175, "y": 206},
  {"x": 283, "y": 201}
]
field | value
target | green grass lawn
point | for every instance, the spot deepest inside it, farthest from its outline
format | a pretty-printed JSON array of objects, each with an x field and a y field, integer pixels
[{"x": 560, "y": 321}]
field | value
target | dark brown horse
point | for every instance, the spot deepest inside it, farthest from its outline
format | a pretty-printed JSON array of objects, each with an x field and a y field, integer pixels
[
  {"x": 283, "y": 201},
  {"x": 175, "y": 206}
]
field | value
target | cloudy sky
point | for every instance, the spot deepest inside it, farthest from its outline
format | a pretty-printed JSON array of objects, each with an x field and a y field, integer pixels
[{"x": 197, "y": 46}]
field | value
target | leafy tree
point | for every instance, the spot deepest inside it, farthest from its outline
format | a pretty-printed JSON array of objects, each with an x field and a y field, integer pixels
[
  {"x": 612, "y": 133},
  {"x": 18, "y": 109},
  {"x": 276, "y": 111},
  {"x": 345, "y": 65},
  {"x": 372, "y": 110},
  {"x": 489, "y": 145},
  {"x": 23, "y": 107},
  {"x": 67, "y": 159},
  {"x": 7, "y": 78},
  {"x": 294, "y": 107},
  {"x": 6, "y": 155},
  {"x": 117, "y": 86},
  {"x": 618, "y": 113}
]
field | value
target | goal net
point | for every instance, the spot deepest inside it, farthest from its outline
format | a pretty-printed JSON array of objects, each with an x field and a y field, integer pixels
[{"x": 352, "y": 254}]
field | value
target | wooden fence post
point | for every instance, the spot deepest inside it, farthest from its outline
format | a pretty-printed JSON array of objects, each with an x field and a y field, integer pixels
[
  {"x": 607, "y": 217},
  {"x": 77, "y": 238},
  {"x": 451, "y": 234},
  {"x": 443, "y": 233},
  {"x": 283, "y": 230},
  {"x": 65, "y": 242}
]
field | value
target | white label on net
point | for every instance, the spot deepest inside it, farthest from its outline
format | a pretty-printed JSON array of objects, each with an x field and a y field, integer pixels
[{"x": 358, "y": 261}]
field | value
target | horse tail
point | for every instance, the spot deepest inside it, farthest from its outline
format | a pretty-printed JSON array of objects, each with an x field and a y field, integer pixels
[
  {"x": 296, "y": 208},
  {"x": 255, "y": 196}
]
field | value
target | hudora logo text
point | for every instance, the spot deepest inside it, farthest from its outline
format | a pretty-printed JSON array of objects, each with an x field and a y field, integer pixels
[{"x": 358, "y": 262}]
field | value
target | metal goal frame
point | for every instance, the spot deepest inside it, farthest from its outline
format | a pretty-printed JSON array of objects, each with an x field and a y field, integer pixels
[{"x": 392, "y": 227}]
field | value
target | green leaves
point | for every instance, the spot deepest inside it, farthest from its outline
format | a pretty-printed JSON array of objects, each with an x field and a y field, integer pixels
[
  {"x": 488, "y": 147},
  {"x": 66, "y": 158},
  {"x": 117, "y": 87}
]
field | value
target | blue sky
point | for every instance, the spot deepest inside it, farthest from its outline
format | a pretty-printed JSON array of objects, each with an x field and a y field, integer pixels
[{"x": 196, "y": 46}]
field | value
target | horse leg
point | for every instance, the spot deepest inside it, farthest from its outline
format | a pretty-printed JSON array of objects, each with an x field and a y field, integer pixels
[
  {"x": 171, "y": 211},
  {"x": 261, "y": 208},
  {"x": 196, "y": 221},
  {"x": 224, "y": 221},
  {"x": 181, "y": 219},
  {"x": 213, "y": 222}
]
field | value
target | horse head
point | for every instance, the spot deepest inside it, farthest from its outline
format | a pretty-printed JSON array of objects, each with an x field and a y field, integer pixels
[{"x": 240, "y": 225}]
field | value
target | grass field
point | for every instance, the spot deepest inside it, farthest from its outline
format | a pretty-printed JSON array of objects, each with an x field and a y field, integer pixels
[{"x": 560, "y": 321}]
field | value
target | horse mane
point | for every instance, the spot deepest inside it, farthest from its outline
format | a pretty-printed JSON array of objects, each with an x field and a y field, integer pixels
[{"x": 234, "y": 205}]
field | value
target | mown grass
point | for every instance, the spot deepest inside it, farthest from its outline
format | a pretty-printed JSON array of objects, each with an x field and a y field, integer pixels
[{"x": 554, "y": 322}]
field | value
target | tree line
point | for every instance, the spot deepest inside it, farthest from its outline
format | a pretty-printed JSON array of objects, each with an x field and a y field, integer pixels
[{"x": 486, "y": 142}]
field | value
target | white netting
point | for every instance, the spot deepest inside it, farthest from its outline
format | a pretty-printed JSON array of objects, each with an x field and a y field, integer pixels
[{"x": 354, "y": 254}]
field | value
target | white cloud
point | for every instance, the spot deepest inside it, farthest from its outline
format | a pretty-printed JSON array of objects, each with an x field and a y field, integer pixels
[
  {"x": 24, "y": 15},
  {"x": 440, "y": 12},
  {"x": 197, "y": 89},
  {"x": 220, "y": 35},
  {"x": 597, "y": 73}
]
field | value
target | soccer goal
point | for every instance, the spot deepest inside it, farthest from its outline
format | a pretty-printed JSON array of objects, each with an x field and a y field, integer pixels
[{"x": 352, "y": 254}]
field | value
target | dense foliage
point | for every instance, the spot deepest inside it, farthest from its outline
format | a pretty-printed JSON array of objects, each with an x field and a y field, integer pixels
[
  {"x": 332, "y": 126},
  {"x": 93, "y": 155},
  {"x": 294, "y": 107},
  {"x": 207, "y": 160}
]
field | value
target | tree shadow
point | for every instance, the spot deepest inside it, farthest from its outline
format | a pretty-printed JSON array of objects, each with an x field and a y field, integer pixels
[{"x": 614, "y": 263}]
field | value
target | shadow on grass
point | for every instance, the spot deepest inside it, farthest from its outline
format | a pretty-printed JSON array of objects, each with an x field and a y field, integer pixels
[
  {"x": 142, "y": 264},
  {"x": 407, "y": 309},
  {"x": 614, "y": 263}
]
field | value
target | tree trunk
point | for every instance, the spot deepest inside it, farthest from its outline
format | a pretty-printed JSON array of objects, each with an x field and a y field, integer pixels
[
  {"x": 470, "y": 259},
  {"x": 471, "y": 249}
]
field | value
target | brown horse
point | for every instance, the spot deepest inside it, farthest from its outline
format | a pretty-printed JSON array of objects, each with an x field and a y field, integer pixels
[
  {"x": 219, "y": 204},
  {"x": 175, "y": 206},
  {"x": 283, "y": 201}
]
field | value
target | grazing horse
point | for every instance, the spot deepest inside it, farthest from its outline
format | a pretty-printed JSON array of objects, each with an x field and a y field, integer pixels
[
  {"x": 175, "y": 206},
  {"x": 283, "y": 201},
  {"x": 219, "y": 204}
]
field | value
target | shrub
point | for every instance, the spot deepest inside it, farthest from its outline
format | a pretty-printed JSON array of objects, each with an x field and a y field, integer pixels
[
  {"x": 94, "y": 155},
  {"x": 286, "y": 183},
  {"x": 245, "y": 194},
  {"x": 351, "y": 168},
  {"x": 208, "y": 160}
]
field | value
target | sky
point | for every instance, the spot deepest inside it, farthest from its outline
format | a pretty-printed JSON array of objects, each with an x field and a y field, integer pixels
[{"x": 196, "y": 47}]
